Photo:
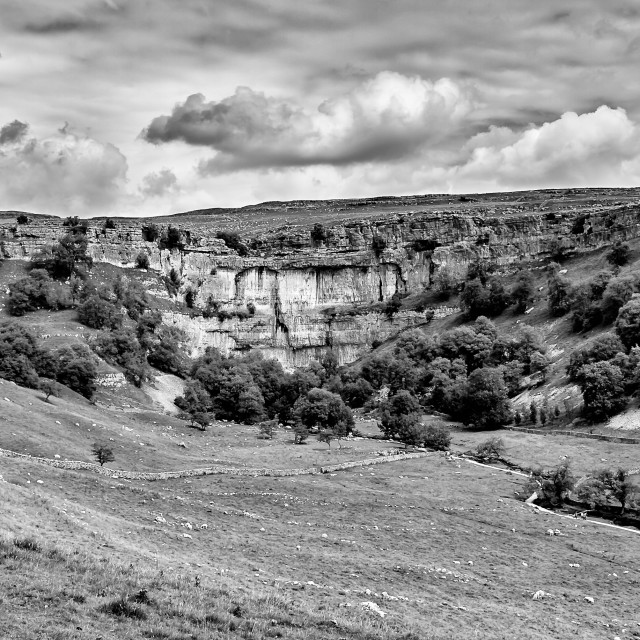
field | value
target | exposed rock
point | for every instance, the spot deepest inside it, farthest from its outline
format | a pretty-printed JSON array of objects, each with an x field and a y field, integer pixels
[{"x": 305, "y": 296}]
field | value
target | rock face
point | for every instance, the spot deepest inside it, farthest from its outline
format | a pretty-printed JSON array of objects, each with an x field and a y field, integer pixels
[{"x": 293, "y": 294}]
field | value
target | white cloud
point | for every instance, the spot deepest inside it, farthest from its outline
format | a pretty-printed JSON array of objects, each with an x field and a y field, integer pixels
[
  {"x": 601, "y": 148},
  {"x": 387, "y": 117},
  {"x": 64, "y": 173}
]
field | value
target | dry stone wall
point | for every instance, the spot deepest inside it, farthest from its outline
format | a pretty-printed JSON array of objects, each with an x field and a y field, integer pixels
[{"x": 79, "y": 465}]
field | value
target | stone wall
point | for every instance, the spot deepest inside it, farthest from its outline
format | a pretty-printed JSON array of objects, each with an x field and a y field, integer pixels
[{"x": 78, "y": 465}]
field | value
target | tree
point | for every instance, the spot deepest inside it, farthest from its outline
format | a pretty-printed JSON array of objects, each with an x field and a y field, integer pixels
[
  {"x": 102, "y": 453},
  {"x": 602, "y": 385},
  {"x": 23, "y": 219},
  {"x": 490, "y": 450},
  {"x": 444, "y": 282},
  {"x": 603, "y": 347},
  {"x": 195, "y": 403},
  {"x": 65, "y": 258},
  {"x": 617, "y": 484},
  {"x": 97, "y": 313},
  {"x": 617, "y": 293},
  {"x": 324, "y": 410},
  {"x": 49, "y": 388},
  {"x": 533, "y": 412},
  {"x": 300, "y": 434},
  {"x": 120, "y": 347},
  {"x": 553, "y": 485},
  {"x": 559, "y": 292},
  {"x": 522, "y": 291},
  {"x": 267, "y": 429},
  {"x": 77, "y": 369},
  {"x": 619, "y": 254},
  {"x": 327, "y": 435},
  {"x": 487, "y": 403},
  {"x": 398, "y": 413},
  {"x": 628, "y": 323}
]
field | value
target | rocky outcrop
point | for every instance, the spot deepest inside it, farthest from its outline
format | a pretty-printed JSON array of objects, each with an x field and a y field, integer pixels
[{"x": 294, "y": 294}]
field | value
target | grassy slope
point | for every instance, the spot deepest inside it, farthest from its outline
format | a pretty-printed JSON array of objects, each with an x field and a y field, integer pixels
[{"x": 409, "y": 529}]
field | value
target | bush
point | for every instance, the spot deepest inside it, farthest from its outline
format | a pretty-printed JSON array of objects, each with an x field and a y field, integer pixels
[
  {"x": 97, "y": 313},
  {"x": 142, "y": 260},
  {"x": 122, "y": 608},
  {"x": 319, "y": 234},
  {"x": 232, "y": 240},
  {"x": 23, "y": 219},
  {"x": 150, "y": 232},
  {"x": 66, "y": 257},
  {"x": 171, "y": 239},
  {"x": 378, "y": 244},
  {"x": 109, "y": 224},
  {"x": 559, "y": 292},
  {"x": 490, "y": 450},
  {"x": 436, "y": 437},
  {"x": 121, "y": 348}
]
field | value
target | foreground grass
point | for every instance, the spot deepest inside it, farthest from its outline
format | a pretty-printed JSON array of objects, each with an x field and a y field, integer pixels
[{"x": 442, "y": 547}]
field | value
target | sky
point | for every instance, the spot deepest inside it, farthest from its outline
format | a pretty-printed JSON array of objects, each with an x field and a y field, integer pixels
[{"x": 152, "y": 107}]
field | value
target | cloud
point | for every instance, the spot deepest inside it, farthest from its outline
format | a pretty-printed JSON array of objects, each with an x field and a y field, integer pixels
[
  {"x": 601, "y": 148},
  {"x": 63, "y": 173},
  {"x": 159, "y": 183},
  {"x": 384, "y": 118},
  {"x": 13, "y": 132}
]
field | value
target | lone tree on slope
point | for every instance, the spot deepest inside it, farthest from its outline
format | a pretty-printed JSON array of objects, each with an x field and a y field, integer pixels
[{"x": 102, "y": 453}]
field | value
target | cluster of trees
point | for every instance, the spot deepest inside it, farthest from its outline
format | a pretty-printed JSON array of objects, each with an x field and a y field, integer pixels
[
  {"x": 592, "y": 302},
  {"x": 469, "y": 373},
  {"x": 607, "y": 368},
  {"x": 598, "y": 489},
  {"x": 29, "y": 364},
  {"x": 250, "y": 389}
]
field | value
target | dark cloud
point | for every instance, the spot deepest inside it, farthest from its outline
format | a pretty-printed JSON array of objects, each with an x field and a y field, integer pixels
[
  {"x": 13, "y": 132},
  {"x": 62, "y": 25},
  {"x": 385, "y": 118}
]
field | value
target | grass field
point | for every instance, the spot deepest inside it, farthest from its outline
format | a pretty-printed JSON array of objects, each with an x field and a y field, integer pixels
[{"x": 441, "y": 546}]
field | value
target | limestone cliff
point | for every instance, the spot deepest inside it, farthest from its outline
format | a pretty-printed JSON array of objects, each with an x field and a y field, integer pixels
[{"x": 306, "y": 295}]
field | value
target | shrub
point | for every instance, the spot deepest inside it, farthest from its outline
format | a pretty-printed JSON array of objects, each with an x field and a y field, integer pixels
[
  {"x": 232, "y": 240},
  {"x": 300, "y": 434},
  {"x": 23, "y": 219},
  {"x": 378, "y": 244},
  {"x": 319, "y": 234},
  {"x": 251, "y": 308},
  {"x": 66, "y": 257},
  {"x": 142, "y": 260},
  {"x": 171, "y": 239},
  {"x": 150, "y": 232},
  {"x": 109, "y": 224},
  {"x": 120, "y": 347},
  {"x": 122, "y": 608},
  {"x": 617, "y": 293},
  {"x": 398, "y": 412},
  {"x": 559, "y": 292},
  {"x": 267, "y": 429},
  {"x": 27, "y": 544},
  {"x": 490, "y": 450}
]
